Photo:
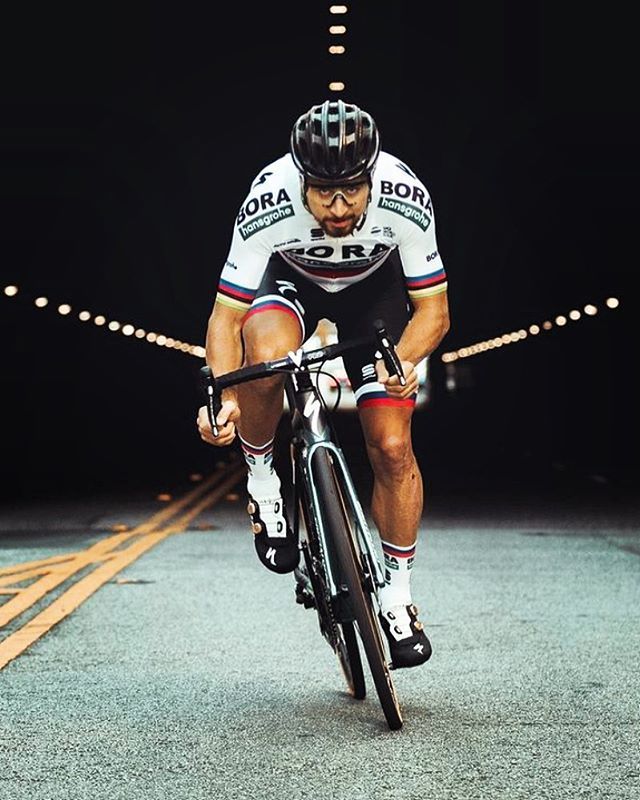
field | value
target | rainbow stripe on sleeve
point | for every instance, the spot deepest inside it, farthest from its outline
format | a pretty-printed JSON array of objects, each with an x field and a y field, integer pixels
[
  {"x": 234, "y": 296},
  {"x": 427, "y": 285}
]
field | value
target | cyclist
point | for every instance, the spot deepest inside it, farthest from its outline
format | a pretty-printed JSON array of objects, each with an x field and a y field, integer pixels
[{"x": 334, "y": 229}]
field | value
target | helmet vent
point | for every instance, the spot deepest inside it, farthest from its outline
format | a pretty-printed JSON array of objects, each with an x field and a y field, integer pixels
[{"x": 335, "y": 142}]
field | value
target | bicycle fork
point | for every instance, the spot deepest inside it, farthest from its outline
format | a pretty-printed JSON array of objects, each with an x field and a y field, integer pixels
[{"x": 312, "y": 432}]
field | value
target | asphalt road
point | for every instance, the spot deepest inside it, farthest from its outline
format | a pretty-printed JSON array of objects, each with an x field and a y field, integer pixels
[{"x": 191, "y": 673}]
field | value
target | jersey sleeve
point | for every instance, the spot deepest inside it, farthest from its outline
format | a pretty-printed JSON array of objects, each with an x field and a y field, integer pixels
[
  {"x": 422, "y": 264},
  {"x": 246, "y": 262}
]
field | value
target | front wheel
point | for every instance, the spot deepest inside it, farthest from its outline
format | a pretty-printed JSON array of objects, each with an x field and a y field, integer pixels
[
  {"x": 348, "y": 654},
  {"x": 312, "y": 591},
  {"x": 359, "y": 598}
]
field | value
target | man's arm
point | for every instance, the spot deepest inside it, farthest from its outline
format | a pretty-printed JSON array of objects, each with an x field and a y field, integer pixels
[
  {"x": 423, "y": 333},
  {"x": 224, "y": 353},
  {"x": 426, "y": 329}
]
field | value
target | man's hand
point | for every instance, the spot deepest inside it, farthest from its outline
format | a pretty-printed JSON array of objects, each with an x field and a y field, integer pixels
[
  {"x": 226, "y": 420},
  {"x": 392, "y": 384}
]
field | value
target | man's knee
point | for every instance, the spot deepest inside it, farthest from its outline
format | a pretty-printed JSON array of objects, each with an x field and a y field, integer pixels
[
  {"x": 390, "y": 452},
  {"x": 257, "y": 351},
  {"x": 270, "y": 338}
]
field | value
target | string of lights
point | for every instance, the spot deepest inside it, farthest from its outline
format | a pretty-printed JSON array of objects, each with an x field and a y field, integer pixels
[
  {"x": 114, "y": 326},
  {"x": 336, "y": 45},
  {"x": 170, "y": 342},
  {"x": 559, "y": 321}
]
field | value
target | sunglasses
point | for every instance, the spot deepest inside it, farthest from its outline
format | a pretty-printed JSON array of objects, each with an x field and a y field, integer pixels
[{"x": 350, "y": 193}]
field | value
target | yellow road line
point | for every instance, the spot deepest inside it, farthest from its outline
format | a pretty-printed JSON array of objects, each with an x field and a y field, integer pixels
[
  {"x": 35, "y": 564},
  {"x": 62, "y": 571},
  {"x": 18, "y": 577},
  {"x": 153, "y": 522},
  {"x": 18, "y": 641}
]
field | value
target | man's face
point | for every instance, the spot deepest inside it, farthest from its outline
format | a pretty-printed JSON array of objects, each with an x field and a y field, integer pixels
[{"x": 338, "y": 208}]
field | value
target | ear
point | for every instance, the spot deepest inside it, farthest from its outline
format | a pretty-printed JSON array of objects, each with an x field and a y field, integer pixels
[{"x": 303, "y": 193}]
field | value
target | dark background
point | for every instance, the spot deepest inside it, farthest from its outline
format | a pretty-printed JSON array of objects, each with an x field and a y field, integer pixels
[{"x": 130, "y": 138}]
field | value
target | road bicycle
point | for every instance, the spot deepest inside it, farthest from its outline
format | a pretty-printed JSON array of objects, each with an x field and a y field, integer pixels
[{"x": 339, "y": 572}]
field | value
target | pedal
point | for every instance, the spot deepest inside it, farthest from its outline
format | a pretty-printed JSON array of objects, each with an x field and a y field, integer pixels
[{"x": 304, "y": 596}]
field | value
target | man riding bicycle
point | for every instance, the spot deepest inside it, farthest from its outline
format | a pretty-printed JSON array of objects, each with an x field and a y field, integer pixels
[{"x": 335, "y": 229}]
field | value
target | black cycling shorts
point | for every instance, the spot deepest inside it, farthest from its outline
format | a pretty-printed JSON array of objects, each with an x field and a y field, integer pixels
[{"x": 353, "y": 310}]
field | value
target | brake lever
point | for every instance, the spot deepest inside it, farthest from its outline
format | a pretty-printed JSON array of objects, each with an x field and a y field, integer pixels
[
  {"x": 388, "y": 352},
  {"x": 212, "y": 397}
]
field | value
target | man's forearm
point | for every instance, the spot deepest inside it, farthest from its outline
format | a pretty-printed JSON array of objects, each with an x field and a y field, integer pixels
[
  {"x": 223, "y": 347},
  {"x": 423, "y": 333}
]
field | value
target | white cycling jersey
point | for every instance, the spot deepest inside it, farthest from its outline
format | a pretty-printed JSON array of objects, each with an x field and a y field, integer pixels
[{"x": 273, "y": 219}]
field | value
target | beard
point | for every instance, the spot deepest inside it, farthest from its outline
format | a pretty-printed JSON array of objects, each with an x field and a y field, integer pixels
[{"x": 337, "y": 232}]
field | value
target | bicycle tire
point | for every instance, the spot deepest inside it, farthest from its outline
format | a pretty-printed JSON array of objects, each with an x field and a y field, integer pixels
[
  {"x": 346, "y": 548},
  {"x": 351, "y": 662},
  {"x": 340, "y": 635}
]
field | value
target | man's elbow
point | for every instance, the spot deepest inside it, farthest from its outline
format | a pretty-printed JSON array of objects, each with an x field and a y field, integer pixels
[
  {"x": 225, "y": 320},
  {"x": 445, "y": 324}
]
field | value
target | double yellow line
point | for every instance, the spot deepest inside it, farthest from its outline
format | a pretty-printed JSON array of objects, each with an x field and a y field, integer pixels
[{"x": 108, "y": 557}]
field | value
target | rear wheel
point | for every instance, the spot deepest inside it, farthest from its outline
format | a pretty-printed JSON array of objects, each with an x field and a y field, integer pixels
[{"x": 359, "y": 598}]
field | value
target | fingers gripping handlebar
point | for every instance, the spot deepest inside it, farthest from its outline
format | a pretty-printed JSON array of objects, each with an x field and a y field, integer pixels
[
  {"x": 388, "y": 352},
  {"x": 297, "y": 362},
  {"x": 214, "y": 404}
]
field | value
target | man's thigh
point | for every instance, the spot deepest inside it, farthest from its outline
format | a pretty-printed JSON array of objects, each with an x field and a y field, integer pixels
[
  {"x": 381, "y": 297},
  {"x": 284, "y": 292}
]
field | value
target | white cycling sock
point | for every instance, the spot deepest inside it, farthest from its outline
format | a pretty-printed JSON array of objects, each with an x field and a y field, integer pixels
[
  {"x": 259, "y": 458},
  {"x": 398, "y": 562},
  {"x": 263, "y": 484}
]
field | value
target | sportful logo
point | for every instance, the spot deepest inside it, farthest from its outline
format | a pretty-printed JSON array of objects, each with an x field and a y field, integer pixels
[
  {"x": 261, "y": 179},
  {"x": 264, "y": 221}
]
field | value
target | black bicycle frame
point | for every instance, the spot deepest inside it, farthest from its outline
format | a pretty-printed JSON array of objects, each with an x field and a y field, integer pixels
[{"x": 312, "y": 432}]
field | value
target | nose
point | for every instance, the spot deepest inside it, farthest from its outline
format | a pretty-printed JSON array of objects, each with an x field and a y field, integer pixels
[{"x": 339, "y": 206}]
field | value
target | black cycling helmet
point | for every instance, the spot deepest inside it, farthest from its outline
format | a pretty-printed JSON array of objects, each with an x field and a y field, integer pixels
[{"x": 335, "y": 142}]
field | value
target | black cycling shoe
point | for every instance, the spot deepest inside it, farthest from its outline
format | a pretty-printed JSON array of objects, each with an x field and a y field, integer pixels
[
  {"x": 408, "y": 642},
  {"x": 277, "y": 553}
]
